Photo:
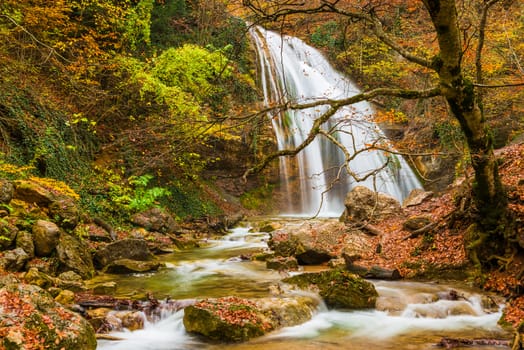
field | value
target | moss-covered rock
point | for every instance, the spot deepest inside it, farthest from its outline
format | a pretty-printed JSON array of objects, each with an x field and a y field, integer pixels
[
  {"x": 73, "y": 255},
  {"x": 338, "y": 288},
  {"x": 135, "y": 249},
  {"x": 234, "y": 319},
  {"x": 31, "y": 319},
  {"x": 123, "y": 266}
]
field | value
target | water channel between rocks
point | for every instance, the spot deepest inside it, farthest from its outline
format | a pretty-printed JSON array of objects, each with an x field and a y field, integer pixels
[{"x": 413, "y": 318}]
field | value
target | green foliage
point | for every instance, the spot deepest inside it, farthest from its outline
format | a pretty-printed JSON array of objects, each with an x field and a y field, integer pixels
[
  {"x": 169, "y": 23},
  {"x": 258, "y": 198},
  {"x": 137, "y": 27},
  {"x": 328, "y": 35},
  {"x": 193, "y": 69}
]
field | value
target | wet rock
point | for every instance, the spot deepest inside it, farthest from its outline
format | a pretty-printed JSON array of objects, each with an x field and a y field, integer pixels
[
  {"x": 73, "y": 255},
  {"x": 155, "y": 219},
  {"x": 8, "y": 234},
  {"x": 58, "y": 328},
  {"x": 416, "y": 197},
  {"x": 24, "y": 240},
  {"x": 130, "y": 320},
  {"x": 65, "y": 212},
  {"x": 281, "y": 263},
  {"x": 134, "y": 249},
  {"x": 338, "y": 288},
  {"x": 363, "y": 205},
  {"x": 7, "y": 191},
  {"x": 234, "y": 319},
  {"x": 123, "y": 266},
  {"x": 14, "y": 260},
  {"x": 45, "y": 237}
]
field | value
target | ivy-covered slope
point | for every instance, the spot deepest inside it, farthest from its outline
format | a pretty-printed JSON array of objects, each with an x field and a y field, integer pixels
[{"x": 126, "y": 101}]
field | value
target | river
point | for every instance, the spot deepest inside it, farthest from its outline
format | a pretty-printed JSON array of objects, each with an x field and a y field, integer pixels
[{"x": 412, "y": 315}]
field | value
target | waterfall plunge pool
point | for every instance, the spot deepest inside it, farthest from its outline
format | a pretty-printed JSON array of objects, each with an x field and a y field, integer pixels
[{"x": 412, "y": 315}]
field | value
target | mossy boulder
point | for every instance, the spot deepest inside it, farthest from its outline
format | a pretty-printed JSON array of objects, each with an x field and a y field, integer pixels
[
  {"x": 65, "y": 212},
  {"x": 30, "y": 318},
  {"x": 134, "y": 249},
  {"x": 73, "y": 255},
  {"x": 123, "y": 266},
  {"x": 234, "y": 319},
  {"x": 45, "y": 237},
  {"x": 338, "y": 288}
]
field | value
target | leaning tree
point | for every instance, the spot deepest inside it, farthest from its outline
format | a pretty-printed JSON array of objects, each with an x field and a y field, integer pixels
[{"x": 457, "y": 81}]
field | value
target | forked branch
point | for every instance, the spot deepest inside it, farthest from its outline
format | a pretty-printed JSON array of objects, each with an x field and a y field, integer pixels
[{"x": 334, "y": 106}]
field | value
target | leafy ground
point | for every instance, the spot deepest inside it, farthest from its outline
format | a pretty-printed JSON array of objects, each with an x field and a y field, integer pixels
[{"x": 443, "y": 249}]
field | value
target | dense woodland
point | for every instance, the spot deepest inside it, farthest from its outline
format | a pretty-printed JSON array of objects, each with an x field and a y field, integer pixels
[{"x": 132, "y": 104}]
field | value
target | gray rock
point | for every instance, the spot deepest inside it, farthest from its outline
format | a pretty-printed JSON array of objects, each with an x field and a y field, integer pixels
[
  {"x": 123, "y": 266},
  {"x": 362, "y": 205},
  {"x": 24, "y": 240},
  {"x": 338, "y": 288},
  {"x": 45, "y": 237},
  {"x": 415, "y": 223},
  {"x": 73, "y": 255},
  {"x": 416, "y": 197},
  {"x": 14, "y": 260},
  {"x": 135, "y": 249},
  {"x": 65, "y": 211},
  {"x": 155, "y": 219},
  {"x": 7, "y": 191}
]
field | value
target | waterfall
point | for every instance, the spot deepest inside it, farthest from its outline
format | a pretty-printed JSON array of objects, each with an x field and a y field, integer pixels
[{"x": 315, "y": 181}]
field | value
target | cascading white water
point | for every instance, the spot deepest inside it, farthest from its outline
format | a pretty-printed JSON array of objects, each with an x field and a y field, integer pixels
[{"x": 292, "y": 71}]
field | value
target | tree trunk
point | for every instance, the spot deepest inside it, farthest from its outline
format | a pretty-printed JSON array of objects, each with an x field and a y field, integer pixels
[{"x": 489, "y": 197}]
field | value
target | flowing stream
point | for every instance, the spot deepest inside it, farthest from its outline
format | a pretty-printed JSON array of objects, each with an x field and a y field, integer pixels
[
  {"x": 412, "y": 315},
  {"x": 293, "y": 72}
]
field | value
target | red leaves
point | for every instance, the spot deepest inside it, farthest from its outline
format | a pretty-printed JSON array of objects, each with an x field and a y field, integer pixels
[{"x": 235, "y": 311}]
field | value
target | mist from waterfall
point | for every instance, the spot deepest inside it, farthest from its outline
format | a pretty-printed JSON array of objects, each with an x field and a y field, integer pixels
[{"x": 315, "y": 181}]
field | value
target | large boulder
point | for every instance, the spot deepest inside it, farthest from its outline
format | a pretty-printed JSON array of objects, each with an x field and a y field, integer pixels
[
  {"x": 338, "y": 288},
  {"x": 73, "y": 255},
  {"x": 7, "y": 191},
  {"x": 233, "y": 319},
  {"x": 134, "y": 249},
  {"x": 363, "y": 205},
  {"x": 45, "y": 237},
  {"x": 32, "y": 192},
  {"x": 155, "y": 219},
  {"x": 31, "y": 319},
  {"x": 123, "y": 266},
  {"x": 314, "y": 243}
]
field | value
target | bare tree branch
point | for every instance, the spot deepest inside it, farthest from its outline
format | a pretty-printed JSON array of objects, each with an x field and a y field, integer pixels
[{"x": 334, "y": 106}]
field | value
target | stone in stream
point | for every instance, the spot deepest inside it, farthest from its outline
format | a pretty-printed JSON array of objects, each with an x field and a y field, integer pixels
[
  {"x": 338, "y": 288},
  {"x": 233, "y": 319}
]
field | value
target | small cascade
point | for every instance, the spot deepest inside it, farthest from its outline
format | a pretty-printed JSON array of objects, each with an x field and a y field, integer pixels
[{"x": 292, "y": 71}]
